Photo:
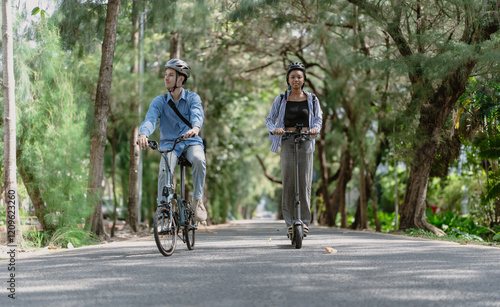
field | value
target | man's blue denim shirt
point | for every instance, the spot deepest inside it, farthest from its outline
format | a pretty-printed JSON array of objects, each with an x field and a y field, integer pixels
[{"x": 171, "y": 126}]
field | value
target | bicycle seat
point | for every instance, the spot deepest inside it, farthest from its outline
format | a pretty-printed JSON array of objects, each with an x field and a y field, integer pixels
[{"x": 183, "y": 161}]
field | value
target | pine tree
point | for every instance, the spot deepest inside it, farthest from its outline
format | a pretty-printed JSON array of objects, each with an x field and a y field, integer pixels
[
  {"x": 52, "y": 143},
  {"x": 101, "y": 109}
]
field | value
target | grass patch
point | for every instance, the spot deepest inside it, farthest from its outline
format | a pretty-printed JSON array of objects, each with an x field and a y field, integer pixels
[
  {"x": 76, "y": 236},
  {"x": 60, "y": 238},
  {"x": 454, "y": 236}
]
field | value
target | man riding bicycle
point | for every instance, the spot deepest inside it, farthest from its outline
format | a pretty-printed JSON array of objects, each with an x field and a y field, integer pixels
[{"x": 163, "y": 108}]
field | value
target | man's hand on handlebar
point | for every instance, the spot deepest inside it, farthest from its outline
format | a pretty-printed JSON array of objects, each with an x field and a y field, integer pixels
[
  {"x": 142, "y": 141},
  {"x": 192, "y": 133}
]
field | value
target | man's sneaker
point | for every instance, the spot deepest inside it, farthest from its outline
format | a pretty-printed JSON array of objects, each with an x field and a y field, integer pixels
[
  {"x": 306, "y": 228},
  {"x": 290, "y": 229},
  {"x": 200, "y": 213}
]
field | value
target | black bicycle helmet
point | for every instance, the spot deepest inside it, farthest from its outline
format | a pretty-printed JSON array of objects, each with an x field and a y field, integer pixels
[
  {"x": 295, "y": 66},
  {"x": 179, "y": 66}
]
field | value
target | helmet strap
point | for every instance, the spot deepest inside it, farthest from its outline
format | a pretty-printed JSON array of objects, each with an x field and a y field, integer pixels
[{"x": 175, "y": 85}]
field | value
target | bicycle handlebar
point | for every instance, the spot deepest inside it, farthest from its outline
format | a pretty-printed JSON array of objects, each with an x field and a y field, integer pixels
[{"x": 154, "y": 144}]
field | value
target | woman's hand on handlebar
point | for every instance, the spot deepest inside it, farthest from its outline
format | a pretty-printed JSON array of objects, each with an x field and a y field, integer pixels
[
  {"x": 278, "y": 131},
  {"x": 142, "y": 141},
  {"x": 314, "y": 131}
]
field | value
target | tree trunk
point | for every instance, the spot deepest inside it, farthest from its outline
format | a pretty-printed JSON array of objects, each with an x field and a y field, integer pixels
[
  {"x": 432, "y": 120},
  {"x": 338, "y": 196},
  {"x": 175, "y": 41},
  {"x": 113, "y": 173},
  {"x": 366, "y": 194},
  {"x": 374, "y": 201},
  {"x": 36, "y": 196},
  {"x": 133, "y": 196},
  {"x": 413, "y": 208},
  {"x": 9, "y": 131},
  {"x": 363, "y": 198},
  {"x": 99, "y": 126},
  {"x": 320, "y": 145}
]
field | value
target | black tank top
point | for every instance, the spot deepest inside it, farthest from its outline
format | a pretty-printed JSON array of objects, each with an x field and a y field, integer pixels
[{"x": 297, "y": 112}]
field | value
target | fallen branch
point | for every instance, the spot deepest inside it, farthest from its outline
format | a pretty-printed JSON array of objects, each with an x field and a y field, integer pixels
[{"x": 269, "y": 176}]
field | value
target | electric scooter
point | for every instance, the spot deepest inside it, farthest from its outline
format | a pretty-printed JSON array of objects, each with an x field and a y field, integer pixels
[{"x": 297, "y": 234}]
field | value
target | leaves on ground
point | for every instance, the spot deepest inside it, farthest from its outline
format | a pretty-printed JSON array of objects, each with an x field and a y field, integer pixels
[{"x": 331, "y": 250}]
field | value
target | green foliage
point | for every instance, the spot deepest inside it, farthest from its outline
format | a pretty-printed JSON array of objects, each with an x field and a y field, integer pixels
[
  {"x": 450, "y": 193},
  {"x": 75, "y": 19},
  {"x": 387, "y": 184},
  {"x": 459, "y": 237},
  {"x": 35, "y": 238},
  {"x": 461, "y": 226},
  {"x": 53, "y": 147},
  {"x": 477, "y": 119},
  {"x": 37, "y": 10},
  {"x": 496, "y": 237},
  {"x": 76, "y": 236},
  {"x": 386, "y": 221}
]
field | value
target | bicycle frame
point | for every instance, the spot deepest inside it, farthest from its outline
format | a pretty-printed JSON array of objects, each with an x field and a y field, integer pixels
[{"x": 182, "y": 218}]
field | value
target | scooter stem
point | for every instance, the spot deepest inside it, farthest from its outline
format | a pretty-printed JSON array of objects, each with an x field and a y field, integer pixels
[{"x": 297, "y": 200}]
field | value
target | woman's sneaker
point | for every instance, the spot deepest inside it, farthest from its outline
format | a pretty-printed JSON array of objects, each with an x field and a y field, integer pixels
[{"x": 200, "y": 213}]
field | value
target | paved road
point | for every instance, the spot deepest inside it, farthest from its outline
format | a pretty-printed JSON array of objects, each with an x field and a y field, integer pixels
[{"x": 253, "y": 264}]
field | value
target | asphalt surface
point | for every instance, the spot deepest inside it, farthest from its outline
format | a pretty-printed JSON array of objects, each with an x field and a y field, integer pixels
[{"x": 253, "y": 264}]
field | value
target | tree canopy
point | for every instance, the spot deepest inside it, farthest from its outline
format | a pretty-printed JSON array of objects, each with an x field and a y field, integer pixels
[{"x": 409, "y": 92}]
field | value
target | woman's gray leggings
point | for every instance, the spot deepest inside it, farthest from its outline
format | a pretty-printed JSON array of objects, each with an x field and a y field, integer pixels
[{"x": 305, "y": 155}]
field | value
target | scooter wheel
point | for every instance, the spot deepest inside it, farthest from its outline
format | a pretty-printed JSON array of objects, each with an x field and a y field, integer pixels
[{"x": 298, "y": 234}]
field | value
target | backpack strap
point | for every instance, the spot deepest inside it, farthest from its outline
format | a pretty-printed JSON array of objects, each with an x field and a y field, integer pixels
[
  {"x": 281, "y": 99},
  {"x": 314, "y": 103},
  {"x": 172, "y": 105}
]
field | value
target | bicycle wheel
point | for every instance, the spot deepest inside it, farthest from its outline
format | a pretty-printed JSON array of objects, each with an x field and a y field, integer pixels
[
  {"x": 165, "y": 231},
  {"x": 297, "y": 236},
  {"x": 189, "y": 230}
]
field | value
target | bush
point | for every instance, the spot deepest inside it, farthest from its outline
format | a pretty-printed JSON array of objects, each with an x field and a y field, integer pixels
[
  {"x": 462, "y": 226},
  {"x": 76, "y": 236}
]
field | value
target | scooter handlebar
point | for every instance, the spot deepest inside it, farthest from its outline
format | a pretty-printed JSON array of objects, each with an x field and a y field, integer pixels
[{"x": 297, "y": 133}]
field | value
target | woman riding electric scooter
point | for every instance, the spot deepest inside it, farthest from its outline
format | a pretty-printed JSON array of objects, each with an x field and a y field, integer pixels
[{"x": 295, "y": 108}]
